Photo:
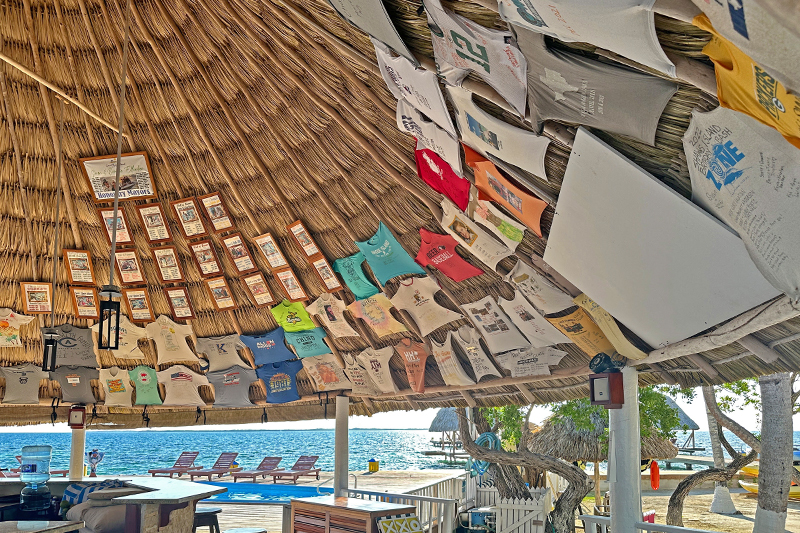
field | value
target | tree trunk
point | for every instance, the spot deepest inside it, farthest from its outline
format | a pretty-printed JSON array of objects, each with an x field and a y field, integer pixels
[
  {"x": 722, "y": 502},
  {"x": 507, "y": 478},
  {"x": 775, "y": 467}
]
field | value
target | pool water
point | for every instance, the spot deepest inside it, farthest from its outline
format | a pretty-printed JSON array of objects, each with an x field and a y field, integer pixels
[{"x": 263, "y": 492}]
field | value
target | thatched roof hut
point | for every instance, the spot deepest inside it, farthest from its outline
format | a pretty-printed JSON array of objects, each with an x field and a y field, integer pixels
[
  {"x": 686, "y": 420},
  {"x": 446, "y": 419}
]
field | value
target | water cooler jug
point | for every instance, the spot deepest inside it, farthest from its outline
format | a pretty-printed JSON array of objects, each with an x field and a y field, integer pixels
[{"x": 34, "y": 473}]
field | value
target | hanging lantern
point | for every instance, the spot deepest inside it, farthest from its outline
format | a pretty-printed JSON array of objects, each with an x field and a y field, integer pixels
[
  {"x": 110, "y": 311},
  {"x": 50, "y": 346}
]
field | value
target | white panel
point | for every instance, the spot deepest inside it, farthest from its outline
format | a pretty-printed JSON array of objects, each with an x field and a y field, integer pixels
[{"x": 655, "y": 261}]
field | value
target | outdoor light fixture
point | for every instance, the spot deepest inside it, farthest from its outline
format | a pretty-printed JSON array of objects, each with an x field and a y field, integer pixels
[
  {"x": 605, "y": 385},
  {"x": 110, "y": 311},
  {"x": 77, "y": 417},
  {"x": 51, "y": 336}
]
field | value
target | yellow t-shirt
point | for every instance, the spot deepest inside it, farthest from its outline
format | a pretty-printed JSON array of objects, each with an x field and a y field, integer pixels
[{"x": 742, "y": 85}]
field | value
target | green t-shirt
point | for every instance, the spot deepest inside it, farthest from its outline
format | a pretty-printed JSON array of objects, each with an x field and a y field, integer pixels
[
  {"x": 292, "y": 316},
  {"x": 146, "y": 382}
]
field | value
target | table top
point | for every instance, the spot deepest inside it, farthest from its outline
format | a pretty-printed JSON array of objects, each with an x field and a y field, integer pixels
[
  {"x": 166, "y": 490},
  {"x": 354, "y": 504},
  {"x": 37, "y": 526}
]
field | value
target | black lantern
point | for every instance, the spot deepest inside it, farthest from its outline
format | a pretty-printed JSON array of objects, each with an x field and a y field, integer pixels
[
  {"x": 109, "y": 318},
  {"x": 50, "y": 346}
]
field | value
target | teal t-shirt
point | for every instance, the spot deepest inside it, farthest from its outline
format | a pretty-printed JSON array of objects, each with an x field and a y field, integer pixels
[
  {"x": 146, "y": 382},
  {"x": 386, "y": 257},
  {"x": 353, "y": 275},
  {"x": 308, "y": 343}
]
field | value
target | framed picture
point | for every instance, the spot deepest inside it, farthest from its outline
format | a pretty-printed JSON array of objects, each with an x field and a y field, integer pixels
[
  {"x": 106, "y": 215},
  {"x": 217, "y": 213},
  {"x": 139, "y": 307},
  {"x": 37, "y": 298},
  {"x": 325, "y": 273},
  {"x": 189, "y": 219},
  {"x": 239, "y": 254},
  {"x": 86, "y": 302},
  {"x": 266, "y": 243},
  {"x": 154, "y": 222},
  {"x": 80, "y": 270},
  {"x": 220, "y": 293},
  {"x": 167, "y": 263},
  {"x": 135, "y": 177},
  {"x": 128, "y": 267},
  {"x": 303, "y": 238},
  {"x": 258, "y": 289},
  {"x": 206, "y": 258},
  {"x": 291, "y": 285},
  {"x": 179, "y": 303}
]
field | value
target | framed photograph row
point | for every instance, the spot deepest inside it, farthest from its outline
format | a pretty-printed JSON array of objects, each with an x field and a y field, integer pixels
[
  {"x": 135, "y": 177},
  {"x": 314, "y": 256}
]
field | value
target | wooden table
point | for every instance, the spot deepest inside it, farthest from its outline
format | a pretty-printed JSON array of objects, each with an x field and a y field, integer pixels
[
  {"x": 39, "y": 526},
  {"x": 328, "y": 514}
]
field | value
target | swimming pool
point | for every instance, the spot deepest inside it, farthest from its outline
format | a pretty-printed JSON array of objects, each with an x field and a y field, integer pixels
[{"x": 263, "y": 492}]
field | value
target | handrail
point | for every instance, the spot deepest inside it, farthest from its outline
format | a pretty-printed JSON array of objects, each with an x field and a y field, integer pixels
[
  {"x": 605, "y": 524},
  {"x": 403, "y": 496},
  {"x": 437, "y": 482},
  {"x": 432, "y": 512}
]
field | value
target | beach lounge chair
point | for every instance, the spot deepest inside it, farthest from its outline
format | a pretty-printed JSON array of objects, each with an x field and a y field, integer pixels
[
  {"x": 184, "y": 463},
  {"x": 303, "y": 467},
  {"x": 266, "y": 468},
  {"x": 222, "y": 466}
]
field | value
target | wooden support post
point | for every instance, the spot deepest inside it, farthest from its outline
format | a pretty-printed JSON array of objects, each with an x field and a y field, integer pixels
[
  {"x": 341, "y": 447},
  {"x": 624, "y": 453},
  {"x": 76, "y": 451}
]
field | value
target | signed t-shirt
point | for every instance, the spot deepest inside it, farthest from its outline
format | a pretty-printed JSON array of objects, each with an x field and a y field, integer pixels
[
  {"x": 415, "y": 295},
  {"x": 414, "y": 356},
  {"x": 268, "y": 348},
  {"x": 280, "y": 380},
  {"x": 220, "y": 351},
  {"x": 538, "y": 290},
  {"x": 129, "y": 335},
  {"x": 75, "y": 346},
  {"x": 386, "y": 257},
  {"x": 308, "y": 343},
  {"x": 474, "y": 238},
  {"x": 74, "y": 381},
  {"x": 232, "y": 386},
  {"x": 330, "y": 311},
  {"x": 534, "y": 326},
  {"x": 22, "y": 383},
  {"x": 325, "y": 372},
  {"x": 145, "y": 381},
  {"x": 376, "y": 363},
  {"x": 354, "y": 277},
  {"x": 375, "y": 311},
  {"x": 497, "y": 329},
  {"x": 9, "y": 327},
  {"x": 439, "y": 251},
  {"x": 181, "y": 385},
  {"x": 449, "y": 366},
  {"x": 359, "y": 377},
  {"x": 170, "y": 341},
  {"x": 439, "y": 175},
  {"x": 428, "y": 134},
  {"x": 292, "y": 316},
  {"x": 469, "y": 341},
  {"x": 117, "y": 386}
]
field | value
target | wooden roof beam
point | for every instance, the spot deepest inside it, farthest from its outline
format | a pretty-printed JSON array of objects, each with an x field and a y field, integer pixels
[
  {"x": 468, "y": 398},
  {"x": 703, "y": 365},
  {"x": 760, "y": 350}
]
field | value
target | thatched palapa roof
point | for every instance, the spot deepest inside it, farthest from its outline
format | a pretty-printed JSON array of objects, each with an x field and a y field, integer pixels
[
  {"x": 446, "y": 419},
  {"x": 686, "y": 420}
]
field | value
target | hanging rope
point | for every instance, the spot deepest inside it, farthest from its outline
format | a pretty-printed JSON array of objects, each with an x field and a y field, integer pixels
[
  {"x": 54, "y": 415},
  {"x": 264, "y": 417},
  {"x": 145, "y": 417},
  {"x": 487, "y": 440},
  {"x": 58, "y": 209}
]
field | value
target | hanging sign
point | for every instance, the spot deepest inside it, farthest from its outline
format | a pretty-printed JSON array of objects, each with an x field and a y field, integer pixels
[
  {"x": 220, "y": 294},
  {"x": 266, "y": 243},
  {"x": 206, "y": 258},
  {"x": 106, "y": 215},
  {"x": 80, "y": 270},
  {"x": 135, "y": 177},
  {"x": 303, "y": 238},
  {"x": 154, "y": 222},
  {"x": 217, "y": 212},
  {"x": 128, "y": 268},
  {"x": 37, "y": 298},
  {"x": 291, "y": 285},
  {"x": 530, "y": 362},
  {"x": 85, "y": 301},
  {"x": 167, "y": 264},
  {"x": 139, "y": 307},
  {"x": 179, "y": 303},
  {"x": 259, "y": 291},
  {"x": 238, "y": 253},
  {"x": 189, "y": 219},
  {"x": 325, "y": 273}
]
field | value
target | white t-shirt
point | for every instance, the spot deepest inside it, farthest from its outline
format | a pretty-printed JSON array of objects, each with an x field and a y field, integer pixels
[
  {"x": 530, "y": 362},
  {"x": 376, "y": 363},
  {"x": 330, "y": 311},
  {"x": 129, "y": 336},
  {"x": 419, "y": 87},
  {"x": 490, "y": 135},
  {"x": 429, "y": 135},
  {"x": 534, "y": 326},
  {"x": 450, "y": 367},
  {"x": 415, "y": 295},
  {"x": 117, "y": 385},
  {"x": 469, "y": 341},
  {"x": 469, "y": 235},
  {"x": 497, "y": 329},
  {"x": 22, "y": 383},
  {"x": 221, "y": 351},
  {"x": 538, "y": 290},
  {"x": 504, "y": 228},
  {"x": 9, "y": 327},
  {"x": 359, "y": 377},
  {"x": 170, "y": 340},
  {"x": 181, "y": 385},
  {"x": 370, "y": 16},
  {"x": 326, "y": 372}
]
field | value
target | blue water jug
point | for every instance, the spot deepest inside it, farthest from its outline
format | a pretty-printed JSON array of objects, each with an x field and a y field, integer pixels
[{"x": 35, "y": 464}]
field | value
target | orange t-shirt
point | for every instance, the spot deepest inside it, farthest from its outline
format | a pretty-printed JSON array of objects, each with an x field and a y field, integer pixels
[{"x": 742, "y": 85}]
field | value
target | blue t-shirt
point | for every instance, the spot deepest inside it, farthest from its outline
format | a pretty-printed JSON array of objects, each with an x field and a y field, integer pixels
[
  {"x": 280, "y": 380},
  {"x": 353, "y": 275},
  {"x": 386, "y": 257},
  {"x": 308, "y": 343},
  {"x": 268, "y": 348}
]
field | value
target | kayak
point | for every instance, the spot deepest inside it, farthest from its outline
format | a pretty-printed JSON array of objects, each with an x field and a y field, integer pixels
[
  {"x": 794, "y": 492},
  {"x": 751, "y": 470}
]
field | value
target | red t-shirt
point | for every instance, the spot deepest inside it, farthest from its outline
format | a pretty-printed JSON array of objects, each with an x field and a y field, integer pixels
[
  {"x": 435, "y": 171},
  {"x": 414, "y": 356},
  {"x": 439, "y": 251}
]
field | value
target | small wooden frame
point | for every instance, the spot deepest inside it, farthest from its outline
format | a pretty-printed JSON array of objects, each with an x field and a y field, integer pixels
[
  {"x": 129, "y": 269},
  {"x": 189, "y": 219},
  {"x": 168, "y": 264},
  {"x": 135, "y": 178},
  {"x": 154, "y": 222},
  {"x": 138, "y": 302},
  {"x": 325, "y": 273},
  {"x": 205, "y": 257},
  {"x": 272, "y": 252},
  {"x": 179, "y": 303},
  {"x": 37, "y": 298},
  {"x": 220, "y": 293},
  {"x": 303, "y": 238},
  {"x": 106, "y": 216},
  {"x": 80, "y": 270},
  {"x": 86, "y": 302},
  {"x": 259, "y": 291},
  {"x": 238, "y": 252},
  {"x": 216, "y": 211},
  {"x": 291, "y": 285},
  {"x": 606, "y": 389}
]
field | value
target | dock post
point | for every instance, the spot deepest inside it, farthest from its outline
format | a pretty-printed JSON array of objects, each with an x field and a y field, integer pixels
[
  {"x": 341, "y": 447},
  {"x": 624, "y": 458},
  {"x": 76, "y": 454}
]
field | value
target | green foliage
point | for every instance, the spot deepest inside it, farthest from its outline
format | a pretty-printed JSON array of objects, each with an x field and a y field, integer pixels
[
  {"x": 674, "y": 391},
  {"x": 509, "y": 420},
  {"x": 737, "y": 395}
]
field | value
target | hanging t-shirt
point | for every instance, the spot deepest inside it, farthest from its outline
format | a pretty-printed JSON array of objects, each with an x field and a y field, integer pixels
[
  {"x": 359, "y": 377},
  {"x": 571, "y": 88},
  {"x": 419, "y": 87},
  {"x": 75, "y": 346},
  {"x": 461, "y": 46},
  {"x": 145, "y": 382},
  {"x": 490, "y": 135},
  {"x": 624, "y": 27},
  {"x": 375, "y": 312},
  {"x": 220, "y": 351},
  {"x": 75, "y": 383},
  {"x": 429, "y": 135},
  {"x": 376, "y": 363},
  {"x": 531, "y": 361},
  {"x": 10, "y": 323},
  {"x": 438, "y": 174},
  {"x": 534, "y": 326},
  {"x": 386, "y": 257},
  {"x": 180, "y": 384},
  {"x": 469, "y": 341},
  {"x": 325, "y": 372},
  {"x": 503, "y": 227},
  {"x": 308, "y": 343},
  {"x": 609, "y": 327},
  {"x": 744, "y": 85},
  {"x": 537, "y": 289},
  {"x": 414, "y": 356},
  {"x": 292, "y": 316},
  {"x": 747, "y": 176},
  {"x": 330, "y": 311},
  {"x": 370, "y": 16},
  {"x": 439, "y": 251},
  {"x": 415, "y": 295},
  {"x": 117, "y": 386},
  {"x": 129, "y": 335},
  {"x": 452, "y": 372},
  {"x": 170, "y": 341},
  {"x": 280, "y": 380},
  {"x": 268, "y": 348},
  {"x": 469, "y": 235},
  {"x": 22, "y": 383},
  {"x": 497, "y": 329},
  {"x": 581, "y": 330},
  {"x": 232, "y": 386},
  {"x": 354, "y": 277}
]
